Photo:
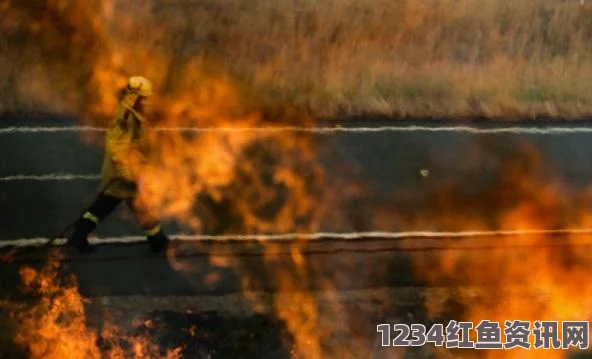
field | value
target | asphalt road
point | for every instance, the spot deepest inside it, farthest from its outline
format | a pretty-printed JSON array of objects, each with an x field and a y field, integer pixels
[
  {"x": 470, "y": 168},
  {"x": 473, "y": 178}
]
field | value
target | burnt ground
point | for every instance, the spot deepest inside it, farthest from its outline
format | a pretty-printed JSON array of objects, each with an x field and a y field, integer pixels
[
  {"x": 354, "y": 285},
  {"x": 225, "y": 332},
  {"x": 225, "y": 327},
  {"x": 198, "y": 305}
]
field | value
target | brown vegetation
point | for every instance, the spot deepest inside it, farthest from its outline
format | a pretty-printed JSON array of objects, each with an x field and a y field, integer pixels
[{"x": 333, "y": 57}]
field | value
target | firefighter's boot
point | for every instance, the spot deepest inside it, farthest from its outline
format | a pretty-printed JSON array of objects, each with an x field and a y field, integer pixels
[
  {"x": 157, "y": 240},
  {"x": 79, "y": 238}
]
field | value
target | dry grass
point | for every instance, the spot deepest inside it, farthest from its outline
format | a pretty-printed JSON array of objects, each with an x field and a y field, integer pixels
[{"x": 336, "y": 57}]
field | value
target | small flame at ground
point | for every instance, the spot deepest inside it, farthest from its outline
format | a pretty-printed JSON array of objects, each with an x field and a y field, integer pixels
[{"x": 52, "y": 322}]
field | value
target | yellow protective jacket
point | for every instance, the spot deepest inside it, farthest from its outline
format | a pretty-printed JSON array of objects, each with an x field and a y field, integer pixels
[{"x": 125, "y": 146}]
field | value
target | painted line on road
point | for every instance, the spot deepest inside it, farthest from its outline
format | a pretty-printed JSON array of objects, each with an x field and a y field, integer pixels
[
  {"x": 50, "y": 177},
  {"x": 323, "y": 130},
  {"x": 286, "y": 237}
]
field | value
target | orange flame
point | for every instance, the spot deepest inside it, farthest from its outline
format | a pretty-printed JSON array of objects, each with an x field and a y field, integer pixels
[
  {"x": 263, "y": 182},
  {"x": 538, "y": 281},
  {"x": 239, "y": 182},
  {"x": 54, "y": 325}
]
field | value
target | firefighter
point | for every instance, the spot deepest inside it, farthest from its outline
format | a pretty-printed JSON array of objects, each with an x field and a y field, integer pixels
[{"x": 125, "y": 148}]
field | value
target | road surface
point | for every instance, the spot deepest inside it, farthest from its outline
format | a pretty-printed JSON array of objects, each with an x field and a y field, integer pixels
[
  {"x": 470, "y": 166},
  {"x": 481, "y": 174}
]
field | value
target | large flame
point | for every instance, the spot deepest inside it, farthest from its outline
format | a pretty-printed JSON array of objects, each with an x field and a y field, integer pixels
[
  {"x": 248, "y": 182},
  {"x": 78, "y": 53},
  {"x": 528, "y": 277}
]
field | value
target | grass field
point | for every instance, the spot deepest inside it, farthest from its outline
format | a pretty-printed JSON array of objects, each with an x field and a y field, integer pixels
[{"x": 331, "y": 57}]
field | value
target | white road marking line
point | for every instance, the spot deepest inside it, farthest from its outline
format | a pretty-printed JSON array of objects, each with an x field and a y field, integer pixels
[
  {"x": 50, "y": 177},
  {"x": 324, "y": 130},
  {"x": 27, "y": 242}
]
